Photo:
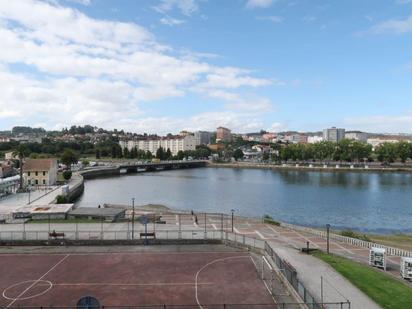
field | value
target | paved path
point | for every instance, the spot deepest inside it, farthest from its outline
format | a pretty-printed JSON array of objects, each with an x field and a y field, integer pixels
[{"x": 335, "y": 287}]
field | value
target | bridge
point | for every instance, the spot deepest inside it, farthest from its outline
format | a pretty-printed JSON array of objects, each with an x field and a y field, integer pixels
[{"x": 119, "y": 168}]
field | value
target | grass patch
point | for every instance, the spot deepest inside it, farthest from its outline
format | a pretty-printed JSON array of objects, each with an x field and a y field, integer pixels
[
  {"x": 269, "y": 220},
  {"x": 386, "y": 291},
  {"x": 402, "y": 241}
]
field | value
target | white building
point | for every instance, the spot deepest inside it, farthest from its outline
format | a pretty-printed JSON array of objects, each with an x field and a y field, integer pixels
[
  {"x": 356, "y": 135},
  {"x": 375, "y": 142},
  {"x": 174, "y": 143},
  {"x": 314, "y": 139}
]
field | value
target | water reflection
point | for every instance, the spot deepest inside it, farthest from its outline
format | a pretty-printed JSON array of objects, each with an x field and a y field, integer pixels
[{"x": 364, "y": 201}]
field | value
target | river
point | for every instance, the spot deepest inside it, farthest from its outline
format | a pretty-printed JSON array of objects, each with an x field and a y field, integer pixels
[{"x": 369, "y": 202}]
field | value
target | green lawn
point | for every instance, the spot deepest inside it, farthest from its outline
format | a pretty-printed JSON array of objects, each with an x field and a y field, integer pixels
[{"x": 382, "y": 288}]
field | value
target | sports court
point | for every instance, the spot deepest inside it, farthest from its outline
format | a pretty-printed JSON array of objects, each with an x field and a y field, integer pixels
[{"x": 133, "y": 278}]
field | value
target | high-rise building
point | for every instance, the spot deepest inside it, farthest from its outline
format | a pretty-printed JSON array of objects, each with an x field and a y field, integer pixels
[
  {"x": 333, "y": 134},
  {"x": 223, "y": 135},
  {"x": 202, "y": 137}
]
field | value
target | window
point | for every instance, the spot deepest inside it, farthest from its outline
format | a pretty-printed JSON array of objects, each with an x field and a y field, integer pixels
[
  {"x": 28, "y": 173},
  {"x": 37, "y": 182},
  {"x": 37, "y": 173},
  {"x": 44, "y": 181},
  {"x": 44, "y": 173}
]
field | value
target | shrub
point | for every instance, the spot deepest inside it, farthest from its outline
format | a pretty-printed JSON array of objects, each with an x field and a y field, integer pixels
[
  {"x": 67, "y": 175},
  {"x": 269, "y": 220},
  {"x": 352, "y": 234},
  {"x": 61, "y": 199}
]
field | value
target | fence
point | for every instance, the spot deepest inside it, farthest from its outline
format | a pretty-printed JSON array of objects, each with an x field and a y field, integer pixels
[
  {"x": 349, "y": 240},
  {"x": 291, "y": 275},
  {"x": 212, "y": 306},
  {"x": 287, "y": 270}
]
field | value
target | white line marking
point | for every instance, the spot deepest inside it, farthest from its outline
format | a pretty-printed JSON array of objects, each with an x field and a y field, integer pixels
[
  {"x": 236, "y": 230},
  {"x": 47, "y": 283},
  {"x": 276, "y": 232},
  {"x": 207, "y": 265},
  {"x": 131, "y": 284},
  {"x": 260, "y": 235},
  {"x": 214, "y": 226},
  {"x": 37, "y": 281}
]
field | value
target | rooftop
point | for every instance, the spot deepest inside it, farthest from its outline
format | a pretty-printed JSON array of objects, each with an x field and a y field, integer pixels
[{"x": 38, "y": 164}]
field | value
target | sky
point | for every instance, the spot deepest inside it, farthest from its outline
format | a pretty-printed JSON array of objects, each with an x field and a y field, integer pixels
[{"x": 161, "y": 66}]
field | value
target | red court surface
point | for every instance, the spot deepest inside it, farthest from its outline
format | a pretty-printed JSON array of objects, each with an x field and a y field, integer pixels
[{"x": 127, "y": 279}]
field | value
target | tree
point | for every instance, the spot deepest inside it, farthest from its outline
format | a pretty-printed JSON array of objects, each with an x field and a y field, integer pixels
[
  {"x": 68, "y": 158},
  {"x": 168, "y": 155},
  {"x": 160, "y": 153},
  {"x": 21, "y": 152},
  {"x": 67, "y": 175},
  {"x": 180, "y": 155},
  {"x": 97, "y": 154},
  {"x": 386, "y": 152},
  {"x": 126, "y": 153},
  {"x": 238, "y": 154},
  {"x": 403, "y": 150}
]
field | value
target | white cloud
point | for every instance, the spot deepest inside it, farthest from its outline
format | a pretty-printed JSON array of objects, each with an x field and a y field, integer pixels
[
  {"x": 186, "y": 7},
  {"x": 403, "y": 1},
  {"x": 277, "y": 127},
  {"x": 396, "y": 26},
  {"x": 274, "y": 19},
  {"x": 255, "y": 105},
  {"x": 259, "y": 3},
  {"x": 169, "y": 21},
  {"x": 86, "y": 70},
  {"x": 82, "y": 2},
  {"x": 379, "y": 123}
]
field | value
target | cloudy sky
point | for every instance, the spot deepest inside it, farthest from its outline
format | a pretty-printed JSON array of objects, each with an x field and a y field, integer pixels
[{"x": 168, "y": 65}]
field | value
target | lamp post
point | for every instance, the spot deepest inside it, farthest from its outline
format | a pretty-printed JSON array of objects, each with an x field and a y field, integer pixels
[
  {"x": 233, "y": 211},
  {"x": 327, "y": 237},
  {"x": 133, "y": 218}
]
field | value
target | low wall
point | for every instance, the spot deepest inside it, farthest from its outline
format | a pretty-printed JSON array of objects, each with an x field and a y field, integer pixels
[
  {"x": 315, "y": 168},
  {"x": 111, "y": 242},
  {"x": 104, "y": 172}
]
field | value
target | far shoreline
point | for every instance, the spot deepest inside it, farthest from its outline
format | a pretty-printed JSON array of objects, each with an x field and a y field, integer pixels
[{"x": 300, "y": 167}]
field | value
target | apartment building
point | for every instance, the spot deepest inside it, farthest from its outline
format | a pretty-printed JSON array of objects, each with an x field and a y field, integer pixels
[{"x": 175, "y": 143}]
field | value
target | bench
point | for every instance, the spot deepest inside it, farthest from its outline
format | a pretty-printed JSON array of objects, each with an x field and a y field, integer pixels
[
  {"x": 56, "y": 235},
  {"x": 148, "y": 235}
]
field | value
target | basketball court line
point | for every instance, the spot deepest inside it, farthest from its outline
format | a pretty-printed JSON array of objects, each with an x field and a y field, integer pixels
[
  {"x": 37, "y": 281},
  {"x": 159, "y": 284},
  {"x": 207, "y": 265}
]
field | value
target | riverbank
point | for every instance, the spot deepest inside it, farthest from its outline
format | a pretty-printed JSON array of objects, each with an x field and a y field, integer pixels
[{"x": 311, "y": 167}]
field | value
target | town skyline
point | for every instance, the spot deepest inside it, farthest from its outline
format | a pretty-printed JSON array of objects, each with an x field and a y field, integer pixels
[{"x": 164, "y": 65}]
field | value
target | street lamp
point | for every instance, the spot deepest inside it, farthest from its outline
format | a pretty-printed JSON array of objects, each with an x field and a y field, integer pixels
[
  {"x": 327, "y": 237},
  {"x": 133, "y": 218},
  {"x": 233, "y": 211}
]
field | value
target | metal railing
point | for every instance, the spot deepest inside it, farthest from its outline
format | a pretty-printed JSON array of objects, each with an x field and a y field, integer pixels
[
  {"x": 195, "y": 306},
  {"x": 291, "y": 275},
  {"x": 348, "y": 240}
]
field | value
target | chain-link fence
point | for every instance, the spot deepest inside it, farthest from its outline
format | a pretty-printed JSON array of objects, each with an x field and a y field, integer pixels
[{"x": 210, "y": 306}]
